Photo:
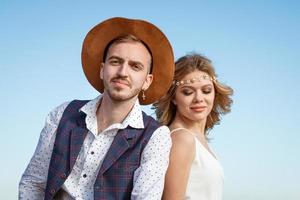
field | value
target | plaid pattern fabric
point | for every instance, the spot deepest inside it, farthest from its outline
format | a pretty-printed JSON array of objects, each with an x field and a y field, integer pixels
[
  {"x": 69, "y": 138},
  {"x": 115, "y": 178}
]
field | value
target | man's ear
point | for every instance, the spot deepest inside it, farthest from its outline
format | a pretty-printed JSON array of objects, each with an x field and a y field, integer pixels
[
  {"x": 101, "y": 71},
  {"x": 148, "y": 81}
]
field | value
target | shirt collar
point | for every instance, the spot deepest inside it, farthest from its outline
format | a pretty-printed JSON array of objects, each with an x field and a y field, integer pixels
[
  {"x": 91, "y": 106},
  {"x": 133, "y": 119}
]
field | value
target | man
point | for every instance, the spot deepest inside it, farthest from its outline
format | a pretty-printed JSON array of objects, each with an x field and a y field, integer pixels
[{"x": 107, "y": 148}]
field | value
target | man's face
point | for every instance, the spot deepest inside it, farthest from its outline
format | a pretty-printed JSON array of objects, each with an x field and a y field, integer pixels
[{"x": 125, "y": 71}]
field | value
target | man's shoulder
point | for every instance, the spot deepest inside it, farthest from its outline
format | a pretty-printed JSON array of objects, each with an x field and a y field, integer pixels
[
  {"x": 65, "y": 107},
  {"x": 67, "y": 104},
  {"x": 150, "y": 119},
  {"x": 76, "y": 104}
]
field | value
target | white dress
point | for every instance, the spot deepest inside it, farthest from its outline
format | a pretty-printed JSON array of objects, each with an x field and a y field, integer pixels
[{"x": 206, "y": 175}]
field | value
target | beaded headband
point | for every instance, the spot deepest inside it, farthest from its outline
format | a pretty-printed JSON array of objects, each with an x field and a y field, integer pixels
[{"x": 193, "y": 80}]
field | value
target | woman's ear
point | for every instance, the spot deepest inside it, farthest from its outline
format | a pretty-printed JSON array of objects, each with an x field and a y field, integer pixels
[{"x": 174, "y": 102}]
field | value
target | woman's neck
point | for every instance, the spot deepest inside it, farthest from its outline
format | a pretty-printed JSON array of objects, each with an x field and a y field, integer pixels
[{"x": 197, "y": 127}]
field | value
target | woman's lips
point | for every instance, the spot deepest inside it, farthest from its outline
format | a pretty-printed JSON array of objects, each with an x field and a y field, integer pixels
[{"x": 198, "y": 108}]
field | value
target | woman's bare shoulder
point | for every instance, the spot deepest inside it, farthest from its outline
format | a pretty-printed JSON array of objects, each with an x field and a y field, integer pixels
[{"x": 183, "y": 141}]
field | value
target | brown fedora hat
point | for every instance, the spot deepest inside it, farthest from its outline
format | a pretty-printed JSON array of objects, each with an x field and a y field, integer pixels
[{"x": 162, "y": 54}]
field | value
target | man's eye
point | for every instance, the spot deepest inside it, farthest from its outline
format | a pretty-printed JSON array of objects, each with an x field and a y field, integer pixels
[
  {"x": 136, "y": 67},
  {"x": 114, "y": 62}
]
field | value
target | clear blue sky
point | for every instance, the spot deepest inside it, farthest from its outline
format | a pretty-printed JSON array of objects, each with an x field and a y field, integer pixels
[{"x": 254, "y": 45}]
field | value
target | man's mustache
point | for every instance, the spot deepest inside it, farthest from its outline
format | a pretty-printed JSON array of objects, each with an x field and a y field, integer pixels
[{"x": 122, "y": 79}]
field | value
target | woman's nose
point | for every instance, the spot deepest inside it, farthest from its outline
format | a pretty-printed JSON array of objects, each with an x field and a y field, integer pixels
[{"x": 198, "y": 97}]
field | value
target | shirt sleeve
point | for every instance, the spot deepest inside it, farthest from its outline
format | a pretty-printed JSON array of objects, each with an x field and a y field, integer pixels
[
  {"x": 33, "y": 182},
  {"x": 150, "y": 176}
]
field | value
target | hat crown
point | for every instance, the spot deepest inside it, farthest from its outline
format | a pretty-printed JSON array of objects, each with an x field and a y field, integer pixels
[{"x": 102, "y": 34}]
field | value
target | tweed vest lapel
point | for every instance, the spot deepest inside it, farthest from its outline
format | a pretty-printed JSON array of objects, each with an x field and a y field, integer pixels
[
  {"x": 78, "y": 134},
  {"x": 118, "y": 147}
]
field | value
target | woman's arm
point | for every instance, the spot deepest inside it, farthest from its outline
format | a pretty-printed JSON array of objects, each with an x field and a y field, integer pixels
[{"x": 181, "y": 158}]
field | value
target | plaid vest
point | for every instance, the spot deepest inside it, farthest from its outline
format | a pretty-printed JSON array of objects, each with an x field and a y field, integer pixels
[{"x": 115, "y": 177}]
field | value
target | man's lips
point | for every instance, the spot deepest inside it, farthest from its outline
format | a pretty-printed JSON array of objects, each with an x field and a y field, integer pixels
[{"x": 120, "y": 83}]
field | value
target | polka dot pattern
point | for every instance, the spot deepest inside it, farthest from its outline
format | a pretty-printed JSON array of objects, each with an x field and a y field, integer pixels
[{"x": 148, "y": 178}]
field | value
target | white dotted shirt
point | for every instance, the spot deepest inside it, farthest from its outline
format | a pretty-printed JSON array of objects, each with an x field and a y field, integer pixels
[{"x": 148, "y": 179}]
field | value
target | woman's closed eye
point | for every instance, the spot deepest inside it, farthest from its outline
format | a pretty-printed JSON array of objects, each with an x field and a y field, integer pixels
[
  {"x": 187, "y": 92},
  {"x": 206, "y": 91}
]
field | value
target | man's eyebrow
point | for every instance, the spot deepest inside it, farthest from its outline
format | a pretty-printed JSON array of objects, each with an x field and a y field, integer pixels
[
  {"x": 114, "y": 57},
  {"x": 130, "y": 61},
  {"x": 136, "y": 62}
]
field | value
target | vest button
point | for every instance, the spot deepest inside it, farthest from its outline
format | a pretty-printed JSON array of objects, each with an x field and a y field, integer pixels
[
  {"x": 52, "y": 191},
  {"x": 63, "y": 176},
  {"x": 97, "y": 187}
]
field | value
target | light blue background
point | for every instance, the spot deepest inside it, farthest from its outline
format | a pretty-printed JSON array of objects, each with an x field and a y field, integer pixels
[{"x": 254, "y": 45}]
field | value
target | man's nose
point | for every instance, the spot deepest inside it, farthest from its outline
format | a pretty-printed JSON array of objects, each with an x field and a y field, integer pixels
[{"x": 123, "y": 69}]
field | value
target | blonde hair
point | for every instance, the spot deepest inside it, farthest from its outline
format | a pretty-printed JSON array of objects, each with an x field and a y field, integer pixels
[{"x": 165, "y": 108}]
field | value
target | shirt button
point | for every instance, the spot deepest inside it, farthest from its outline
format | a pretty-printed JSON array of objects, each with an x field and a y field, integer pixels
[
  {"x": 52, "y": 191},
  {"x": 84, "y": 175},
  {"x": 92, "y": 152}
]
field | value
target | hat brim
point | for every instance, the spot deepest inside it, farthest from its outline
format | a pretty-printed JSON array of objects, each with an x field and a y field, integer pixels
[{"x": 162, "y": 54}]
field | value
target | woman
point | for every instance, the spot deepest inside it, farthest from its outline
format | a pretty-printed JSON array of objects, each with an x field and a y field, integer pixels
[{"x": 191, "y": 108}]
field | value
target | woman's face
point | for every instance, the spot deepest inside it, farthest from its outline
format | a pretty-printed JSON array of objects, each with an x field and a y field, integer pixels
[{"x": 195, "y": 100}]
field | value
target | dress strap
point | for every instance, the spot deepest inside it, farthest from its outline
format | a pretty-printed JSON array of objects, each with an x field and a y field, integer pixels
[
  {"x": 180, "y": 128},
  {"x": 198, "y": 143}
]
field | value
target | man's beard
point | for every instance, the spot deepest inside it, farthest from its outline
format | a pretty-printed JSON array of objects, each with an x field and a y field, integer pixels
[
  {"x": 116, "y": 96},
  {"x": 114, "y": 93}
]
